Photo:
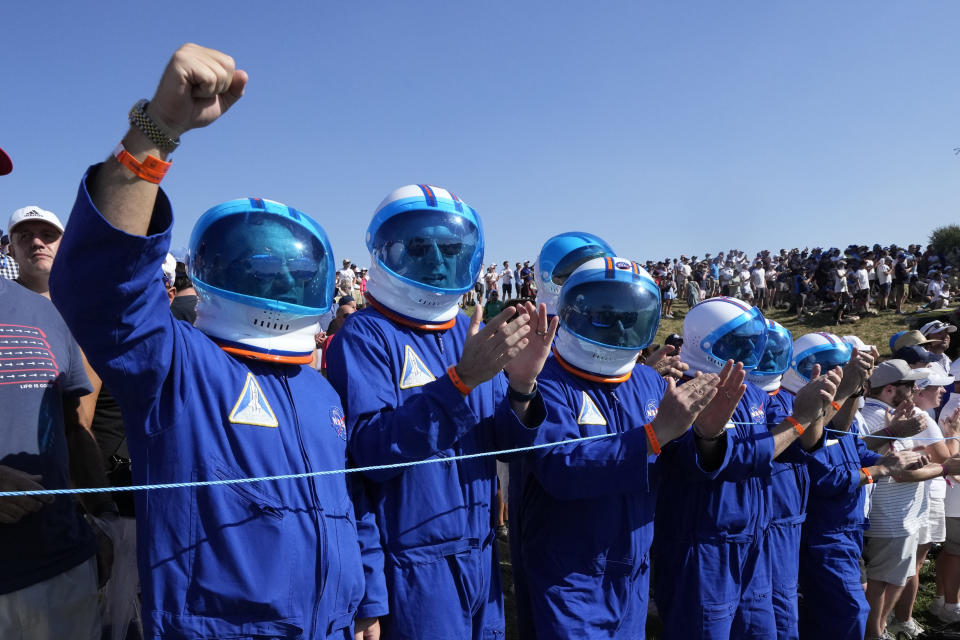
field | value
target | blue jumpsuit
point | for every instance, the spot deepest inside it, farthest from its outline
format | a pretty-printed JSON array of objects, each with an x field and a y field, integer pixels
[
  {"x": 441, "y": 567},
  {"x": 270, "y": 559},
  {"x": 585, "y": 520},
  {"x": 789, "y": 485},
  {"x": 712, "y": 576},
  {"x": 833, "y": 604}
]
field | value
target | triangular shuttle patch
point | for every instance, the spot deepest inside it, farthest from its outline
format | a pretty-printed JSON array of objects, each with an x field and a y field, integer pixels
[
  {"x": 589, "y": 414},
  {"x": 252, "y": 406},
  {"x": 415, "y": 373}
]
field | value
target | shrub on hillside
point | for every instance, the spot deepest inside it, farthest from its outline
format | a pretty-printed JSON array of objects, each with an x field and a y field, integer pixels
[{"x": 946, "y": 242}]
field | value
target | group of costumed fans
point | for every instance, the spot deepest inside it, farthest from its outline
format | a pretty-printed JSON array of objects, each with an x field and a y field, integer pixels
[{"x": 703, "y": 483}]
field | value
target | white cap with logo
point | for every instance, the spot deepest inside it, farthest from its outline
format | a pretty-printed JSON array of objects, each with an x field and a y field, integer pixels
[{"x": 26, "y": 214}]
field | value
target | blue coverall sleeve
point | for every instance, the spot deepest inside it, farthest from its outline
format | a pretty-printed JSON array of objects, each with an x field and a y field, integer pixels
[
  {"x": 681, "y": 459},
  {"x": 375, "y": 603},
  {"x": 602, "y": 467},
  {"x": 751, "y": 453},
  {"x": 132, "y": 349},
  {"x": 827, "y": 480},
  {"x": 867, "y": 458},
  {"x": 509, "y": 432},
  {"x": 381, "y": 430}
]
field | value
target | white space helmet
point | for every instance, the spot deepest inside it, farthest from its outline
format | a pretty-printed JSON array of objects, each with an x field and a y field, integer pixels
[
  {"x": 559, "y": 257},
  {"x": 775, "y": 359},
  {"x": 821, "y": 348},
  {"x": 263, "y": 272},
  {"x": 426, "y": 251},
  {"x": 609, "y": 310},
  {"x": 721, "y": 329}
]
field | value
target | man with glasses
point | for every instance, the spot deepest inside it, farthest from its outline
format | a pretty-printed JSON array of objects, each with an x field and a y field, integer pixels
[{"x": 419, "y": 380}]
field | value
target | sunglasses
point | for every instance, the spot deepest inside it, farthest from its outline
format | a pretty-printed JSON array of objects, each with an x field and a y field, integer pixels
[{"x": 419, "y": 247}]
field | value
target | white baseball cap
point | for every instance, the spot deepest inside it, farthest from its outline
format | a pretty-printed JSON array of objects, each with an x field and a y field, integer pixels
[
  {"x": 937, "y": 326},
  {"x": 934, "y": 379},
  {"x": 32, "y": 212}
]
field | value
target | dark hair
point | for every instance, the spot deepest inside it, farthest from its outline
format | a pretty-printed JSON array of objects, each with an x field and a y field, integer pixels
[{"x": 182, "y": 282}]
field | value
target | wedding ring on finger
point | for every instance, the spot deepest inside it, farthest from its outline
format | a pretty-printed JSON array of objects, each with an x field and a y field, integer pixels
[{"x": 541, "y": 333}]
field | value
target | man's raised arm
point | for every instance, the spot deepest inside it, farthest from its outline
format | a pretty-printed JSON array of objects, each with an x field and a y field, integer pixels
[{"x": 197, "y": 87}]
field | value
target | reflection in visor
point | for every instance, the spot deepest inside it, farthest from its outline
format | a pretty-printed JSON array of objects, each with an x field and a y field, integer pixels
[
  {"x": 269, "y": 267},
  {"x": 569, "y": 263},
  {"x": 776, "y": 355},
  {"x": 434, "y": 248},
  {"x": 263, "y": 256},
  {"x": 829, "y": 359},
  {"x": 611, "y": 313},
  {"x": 743, "y": 344}
]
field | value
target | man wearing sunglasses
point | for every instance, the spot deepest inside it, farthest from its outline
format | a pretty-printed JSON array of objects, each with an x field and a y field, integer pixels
[
  {"x": 420, "y": 380},
  {"x": 233, "y": 398}
]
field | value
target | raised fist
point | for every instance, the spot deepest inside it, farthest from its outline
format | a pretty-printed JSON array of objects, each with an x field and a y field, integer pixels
[{"x": 197, "y": 87}]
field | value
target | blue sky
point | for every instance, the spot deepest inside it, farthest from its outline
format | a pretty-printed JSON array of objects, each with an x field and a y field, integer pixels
[{"x": 665, "y": 128}]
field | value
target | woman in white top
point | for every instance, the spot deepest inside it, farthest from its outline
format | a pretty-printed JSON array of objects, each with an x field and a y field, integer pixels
[{"x": 930, "y": 393}]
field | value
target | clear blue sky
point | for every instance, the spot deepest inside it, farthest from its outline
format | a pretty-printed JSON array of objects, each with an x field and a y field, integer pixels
[{"x": 664, "y": 127}]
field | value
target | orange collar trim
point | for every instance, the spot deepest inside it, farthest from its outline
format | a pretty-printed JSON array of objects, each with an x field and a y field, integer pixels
[
  {"x": 266, "y": 357},
  {"x": 774, "y": 392},
  {"x": 589, "y": 376},
  {"x": 407, "y": 322}
]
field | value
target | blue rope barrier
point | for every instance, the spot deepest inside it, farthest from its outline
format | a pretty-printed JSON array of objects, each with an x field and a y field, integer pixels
[
  {"x": 291, "y": 476},
  {"x": 383, "y": 467}
]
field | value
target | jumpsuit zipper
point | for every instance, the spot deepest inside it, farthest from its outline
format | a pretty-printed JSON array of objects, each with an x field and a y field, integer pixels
[{"x": 318, "y": 522}]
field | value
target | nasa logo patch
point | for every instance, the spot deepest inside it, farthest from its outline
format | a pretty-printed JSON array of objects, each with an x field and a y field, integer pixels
[
  {"x": 651, "y": 411},
  {"x": 623, "y": 265},
  {"x": 757, "y": 414},
  {"x": 338, "y": 423}
]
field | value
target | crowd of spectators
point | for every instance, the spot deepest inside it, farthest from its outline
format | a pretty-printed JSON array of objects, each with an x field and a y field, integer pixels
[{"x": 847, "y": 283}]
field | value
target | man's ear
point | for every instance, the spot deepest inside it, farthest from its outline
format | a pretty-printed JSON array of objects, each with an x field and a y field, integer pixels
[{"x": 171, "y": 293}]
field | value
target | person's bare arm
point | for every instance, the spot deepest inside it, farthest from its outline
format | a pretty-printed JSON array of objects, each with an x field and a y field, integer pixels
[{"x": 197, "y": 87}]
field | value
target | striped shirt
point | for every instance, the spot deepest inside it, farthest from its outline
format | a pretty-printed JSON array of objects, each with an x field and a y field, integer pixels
[{"x": 897, "y": 509}]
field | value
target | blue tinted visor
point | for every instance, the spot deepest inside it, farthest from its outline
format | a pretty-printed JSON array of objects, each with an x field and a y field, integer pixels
[
  {"x": 776, "y": 354},
  {"x": 622, "y": 313},
  {"x": 434, "y": 250},
  {"x": 569, "y": 263},
  {"x": 742, "y": 339},
  {"x": 827, "y": 356},
  {"x": 265, "y": 256}
]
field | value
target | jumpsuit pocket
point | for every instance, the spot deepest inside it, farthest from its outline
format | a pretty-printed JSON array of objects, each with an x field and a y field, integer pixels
[
  {"x": 241, "y": 555},
  {"x": 346, "y": 567},
  {"x": 716, "y": 613},
  {"x": 581, "y": 587}
]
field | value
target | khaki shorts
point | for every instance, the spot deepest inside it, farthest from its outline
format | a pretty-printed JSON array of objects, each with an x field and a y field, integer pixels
[
  {"x": 952, "y": 544},
  {"x": 891, "y": 560},
  {"x": 65, "y": 606}
]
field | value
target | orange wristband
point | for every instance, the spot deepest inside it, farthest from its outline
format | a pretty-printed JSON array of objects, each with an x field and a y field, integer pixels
[
  {"x": 836, "y": 406},
  {"x": 867, "y": 473},
  {"x": 796, "y": 425},
  {"x": 652, "y": 437},
  {"x": 152, "y": 169},
  {"x": 457, "y": 382}
]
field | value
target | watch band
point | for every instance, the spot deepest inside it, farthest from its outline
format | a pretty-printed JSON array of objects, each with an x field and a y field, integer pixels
[
  {"x": 513, "y": 394},
  {"x": 139, "y": 118}
]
